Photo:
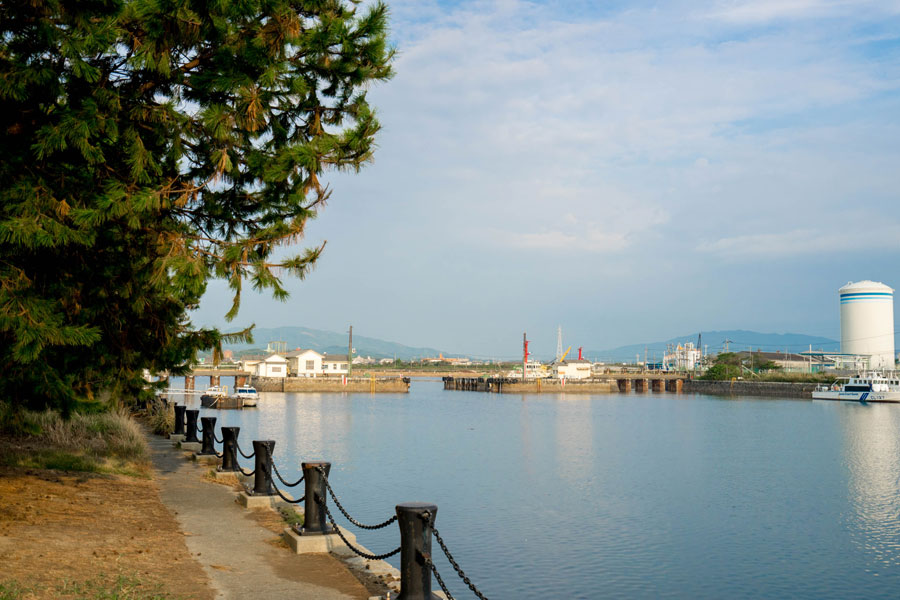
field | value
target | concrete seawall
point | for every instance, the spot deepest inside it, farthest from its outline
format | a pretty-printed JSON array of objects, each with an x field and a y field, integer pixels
[
  {"x": 332, "y": 384},
  {"x": 532, "y": 386},
  {"x": 554, "y": 386},
  {"x": 750, "y": 388}
]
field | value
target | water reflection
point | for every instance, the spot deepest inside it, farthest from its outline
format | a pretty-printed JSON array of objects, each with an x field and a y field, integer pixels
[
  {"x": 872, "y": 446},
  {"x": 574, "y": 437}
]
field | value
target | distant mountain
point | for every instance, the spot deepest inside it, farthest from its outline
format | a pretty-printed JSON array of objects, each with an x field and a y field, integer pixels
[
  {"x": 333, "y": 343},
  {"x": 739, "y": 339}
]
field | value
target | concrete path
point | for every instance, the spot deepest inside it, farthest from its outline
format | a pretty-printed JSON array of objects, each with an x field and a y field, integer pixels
[{"x": 241, "y": 557}]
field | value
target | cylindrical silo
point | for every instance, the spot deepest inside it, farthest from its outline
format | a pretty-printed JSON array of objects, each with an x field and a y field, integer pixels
[{"x": 867, "y": 322}]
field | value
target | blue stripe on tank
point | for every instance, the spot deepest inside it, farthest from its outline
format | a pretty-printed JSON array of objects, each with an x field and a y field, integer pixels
[{"x": 849, "y": 295}]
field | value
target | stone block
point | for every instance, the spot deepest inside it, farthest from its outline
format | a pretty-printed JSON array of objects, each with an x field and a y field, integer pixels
[
  {"x": 250, "y": 501},
  {"x": 206, "y": 459},
  {"x": 309, "y": 544},
  {"x": 191, "y": 446},
  {"x": 235, "y": 476},
  {"x": 175, "y": 439}
]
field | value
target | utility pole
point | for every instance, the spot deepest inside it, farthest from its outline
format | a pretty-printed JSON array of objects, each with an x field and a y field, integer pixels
[
  {"x": 350, "y": 354},
  {"x": 727, "y": 341},
  {"x": 524, "y": 355}
]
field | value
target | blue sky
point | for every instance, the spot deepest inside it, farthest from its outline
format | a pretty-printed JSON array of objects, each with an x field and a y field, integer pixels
[{"x": 628, "y": 171}]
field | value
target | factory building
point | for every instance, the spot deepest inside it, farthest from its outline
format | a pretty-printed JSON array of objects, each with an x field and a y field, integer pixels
[{"x": 867, "y": 323}]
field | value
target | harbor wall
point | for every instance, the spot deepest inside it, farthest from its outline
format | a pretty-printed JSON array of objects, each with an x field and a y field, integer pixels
[
  {"x": 750, "y": 388},
  {"x": 331, "y": 384},
  {"x": 532, "y": 386},
  {"x": 555, "y": 386}
]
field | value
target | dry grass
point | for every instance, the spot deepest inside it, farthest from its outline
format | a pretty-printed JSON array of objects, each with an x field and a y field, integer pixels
[
  {"x": 110, "y": 442},
  {"x": 160, "y": 417}
]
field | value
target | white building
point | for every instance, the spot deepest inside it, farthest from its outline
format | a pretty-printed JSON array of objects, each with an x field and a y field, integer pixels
[
  {"x": 574, "y": 369},
  {"x": 683, "y": 358},
  {"x": 304, "y": 363},
  {"x": 273, "y": 365},
  {"x": 248, "y": 363},
  {"x": 334, "y": 364}
]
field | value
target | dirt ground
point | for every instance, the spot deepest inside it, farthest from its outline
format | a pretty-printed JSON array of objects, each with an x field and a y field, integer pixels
[
  {"x": 58, "y": 529},
  {"x": 75, "y": 535}
]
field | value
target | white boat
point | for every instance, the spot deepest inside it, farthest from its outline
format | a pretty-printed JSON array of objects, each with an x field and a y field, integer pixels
[
  {"x": 212, "y": 395},
  {"x": 865, "y": 387},
  {"x": 248, "y": 395}
]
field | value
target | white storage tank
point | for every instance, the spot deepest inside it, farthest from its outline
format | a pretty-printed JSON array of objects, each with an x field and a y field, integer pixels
[{"x": 867, "y": 322}]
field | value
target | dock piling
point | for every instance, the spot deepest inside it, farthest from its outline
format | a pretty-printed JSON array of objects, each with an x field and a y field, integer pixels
[
  {"x": 316, "y": 497},
  {"x": 262, "y": 477},
  {"x": 415, "y": 519}
]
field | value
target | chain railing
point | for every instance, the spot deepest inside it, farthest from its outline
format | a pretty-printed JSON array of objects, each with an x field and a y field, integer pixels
[
  {"x": 286, "y": 484},
  {"x": 356, "y": 550},
  {"x": 453, "y": 563},
  {"x": 285, "y": 498},
  {"x": 345, "y": 513},
  {"x": 248, "y": 457}
]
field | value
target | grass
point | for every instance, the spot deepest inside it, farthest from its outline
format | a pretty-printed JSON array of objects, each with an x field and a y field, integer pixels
[
  {"x": 160, "y": 417},
  {"x": 121, "y": 587},
  {"x": 291, "y": 516},
  {"x": 109, "y": 442}
]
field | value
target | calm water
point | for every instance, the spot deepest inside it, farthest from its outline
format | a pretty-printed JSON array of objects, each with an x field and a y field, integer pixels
[{"x": 614, "y": 496}]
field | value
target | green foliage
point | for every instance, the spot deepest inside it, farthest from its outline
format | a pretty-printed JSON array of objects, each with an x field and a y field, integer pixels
[
  {"x": 726, "y": 366},
  {"x": 149, "y": 146}
]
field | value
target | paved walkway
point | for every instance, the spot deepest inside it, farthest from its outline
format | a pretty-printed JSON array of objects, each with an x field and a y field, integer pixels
[{"x": 241, "y": 557}]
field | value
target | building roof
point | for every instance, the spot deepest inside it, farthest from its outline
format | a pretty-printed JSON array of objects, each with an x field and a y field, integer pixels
[
  {"x": 334, "y": 358},
  {"x": 777, "y": 356},
  {"x": 252, "y": 357}
]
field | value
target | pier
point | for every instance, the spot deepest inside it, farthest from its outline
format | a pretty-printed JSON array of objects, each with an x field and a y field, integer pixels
[{"x": 607, "y": 383}]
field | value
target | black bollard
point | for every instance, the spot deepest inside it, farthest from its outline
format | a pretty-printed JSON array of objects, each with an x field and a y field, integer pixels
[
  {"x": 262, "y": 480},
  {"x": 190, "y": 427},
  {"x": 179, "y": 419},
  {"x": 229, "y": 449},
  {"x": 414, "y": 519},
  {"x": 209, "y": 435},
  {"x": 314, "y": 510}
]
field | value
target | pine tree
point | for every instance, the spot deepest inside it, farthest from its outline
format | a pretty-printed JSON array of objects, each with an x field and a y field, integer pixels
[{"x": 149, "y": 146}]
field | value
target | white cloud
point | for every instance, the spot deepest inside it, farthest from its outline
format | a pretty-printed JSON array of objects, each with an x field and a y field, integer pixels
[
  {"x": 765, "y": 11},
  {"x": 861, "y": 238}
]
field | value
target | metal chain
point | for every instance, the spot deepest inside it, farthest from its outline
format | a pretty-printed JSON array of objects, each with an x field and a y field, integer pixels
[
  {"x": 437, "y": 576},
  {"x": 349, "y": 545},
  {"x": 218, "y": 441},
  {"x": 430, "y": 520},
  {"x": 238, "y": 446},
  {"x": 285, "y": 498},
  {"x": 246, "y": 474},
  {"x": 296, "y": 483},
  {"x": 341, "y": 508}
]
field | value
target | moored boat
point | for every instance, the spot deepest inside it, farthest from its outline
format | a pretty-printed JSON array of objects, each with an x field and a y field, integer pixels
[
  {"x": 212, "y": 395},
  {"x": 247, "y": 394},
  {"x": 865, "y": 387}
]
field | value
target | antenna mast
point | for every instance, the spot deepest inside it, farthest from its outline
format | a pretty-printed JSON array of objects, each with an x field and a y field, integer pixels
[{"x": 559, "y": 343}]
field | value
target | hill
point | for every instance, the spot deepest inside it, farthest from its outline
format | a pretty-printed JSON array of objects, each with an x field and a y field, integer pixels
[
  {"x": 333, "y": 343},
  {"x": 739, "y": 339}
]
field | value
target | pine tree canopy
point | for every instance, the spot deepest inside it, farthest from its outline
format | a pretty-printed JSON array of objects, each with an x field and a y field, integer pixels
[{"x": 148, "y": 146}]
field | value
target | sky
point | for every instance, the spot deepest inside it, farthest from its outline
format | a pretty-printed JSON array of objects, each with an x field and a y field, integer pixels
[{"x": 630, "y": 172}]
